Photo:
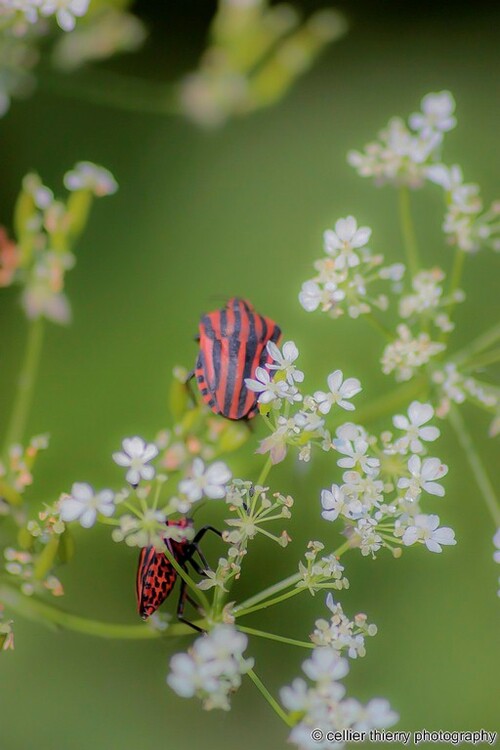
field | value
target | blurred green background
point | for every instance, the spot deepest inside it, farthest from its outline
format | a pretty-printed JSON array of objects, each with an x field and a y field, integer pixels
[{"x": 199, "y": 217}]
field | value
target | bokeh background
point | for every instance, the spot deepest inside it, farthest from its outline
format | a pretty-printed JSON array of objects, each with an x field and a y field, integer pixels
[{"x": 199, "y": 217}]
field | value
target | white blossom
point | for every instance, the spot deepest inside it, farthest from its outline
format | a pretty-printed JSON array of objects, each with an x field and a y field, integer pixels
[
  {"x": 436, "y": 115},
  {"x": 340, "y": 633},
  {"x": 355, "y": 453},
  {"x": 212, "y": 668},
  {"x": 83, "y": 504},
  {"x": 426, "y": 529},
  {"x": 208, "y": 481},
  {"x": 340, "y": 392},
  {"x": 88, "y": 176},
  {"x": 269, "y": 390},
  {"x": 413, "y": 425},
  {"x": 66, "y": 11},
  {"x": 342, "y": 242},
  {"x": 284, "y": 361},
  {"x": 323, "y": 707},
  {"x": 423, "y": 476},
  {"x": 335, "y": 504},
  {"x": 135, "y": 456},
  {"x": 407, "y": 353}
]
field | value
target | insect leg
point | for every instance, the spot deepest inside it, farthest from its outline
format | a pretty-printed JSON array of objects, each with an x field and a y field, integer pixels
[
  {"x": 201, "y": 533},
  {"x": 183, "y": 596}
]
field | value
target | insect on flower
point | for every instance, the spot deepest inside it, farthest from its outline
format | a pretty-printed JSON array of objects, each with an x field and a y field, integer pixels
[
  {"x": 156, "y": 576},
  {"x": 232, "y": 345}
]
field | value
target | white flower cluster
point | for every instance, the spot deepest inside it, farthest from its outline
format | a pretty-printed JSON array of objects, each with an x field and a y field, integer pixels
[
  {"x": 49, "y": 227},
  {"x": 342, "y": 634},
  {"x": 275, "y": 384},
  {"x": 318, "y": 571},
  {"x": 212, "y": 668},
  {"x": 30, "y": 11},
  {"x": 346, "y": 273},
  {"x": 457, "y": 387},
  {"x": 467, "y": 225},
  {"x": 426, "y": 301},
  {"x": 21, "y": 565},
  {"x": 386, "y": 479},
  {"x": 324, "y": 707},
  {"x": 408, "y": 352},
  {"x": 404, "y": 151},
  {"x": 254, "y": 508}
]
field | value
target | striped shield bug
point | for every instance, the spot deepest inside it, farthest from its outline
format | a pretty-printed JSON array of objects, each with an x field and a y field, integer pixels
[
  {"x": 156, "y": 576},
  {"x": 232, "y": 345}
]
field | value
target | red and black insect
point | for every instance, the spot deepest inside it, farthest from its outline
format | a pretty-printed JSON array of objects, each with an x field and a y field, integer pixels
[
  {"x": 156, "y": 576},
  {"x": 232, "y": 345}
]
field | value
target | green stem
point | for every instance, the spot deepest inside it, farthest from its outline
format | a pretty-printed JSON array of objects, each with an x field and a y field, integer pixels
[
  {"x": 270, "y": 591},
  {"x": 188, "y": 580},
  {"x": 276, "y": 588},
  {"x": 269, "y": 698},
  {"x": 265, "y": 472},
  {"x": 488, "y": 358},
  {"x": 408, "y": 230},
  {"x": 480, "y": 474},
  {"x": 274, "y": 637},
  {"x": 267, "y": 603},
  {"x": 25, "y": 385},
  {"x": 482, "y": 342},
  {"x": 114, "y": 90},
  {"x": 39, "y": 611},
  {"x": 456, "y": 277}
]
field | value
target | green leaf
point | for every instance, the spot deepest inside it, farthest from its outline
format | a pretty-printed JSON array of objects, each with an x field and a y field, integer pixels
[
  {"x": 9, "y": 494},
  {"x": 46, "y": 559},
  {"x": 25, "y": 539},
  {"x": 66, "y": 546}
]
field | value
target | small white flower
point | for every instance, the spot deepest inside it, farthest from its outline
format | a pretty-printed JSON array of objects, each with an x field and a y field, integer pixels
[
  {"x": 89, "y": 176},
  {"x": 426, "y": 529},
  {"x": 377, "y": 714},
  {"x": 343, "y": 242},
  {"x": 449, "y": 178},
  {"x": 209, "y": 482},
  {"x": 334, "y": 503},
  {"x": 84, "y": 504},
  {"x": 436, "y": 115},
  {"x": 340, "y": 391},
  {"x": 325, "y": 666},
  {"x": 136, "y": 455},
  {"x": 423, "y": 477},
  {"x": 418, "y": 415},
  {"x": 310, "y": 296},
  {"x": 212, "y": 668},
  {"x": 66, "y": 11},
  {"x": 269, "y": 390},
  {"x": 284, "y": 361},
  {"x": 356, "y": 453},
  {"x": 496, "y": 542}
]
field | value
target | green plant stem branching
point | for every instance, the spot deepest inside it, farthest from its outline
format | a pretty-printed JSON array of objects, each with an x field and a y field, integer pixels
[
  {"x": 39, "y": 611},
  {"x": 25, "y": 385},
  {"x": 408, "y": 230},
  {"x": 269, "y": 698}
]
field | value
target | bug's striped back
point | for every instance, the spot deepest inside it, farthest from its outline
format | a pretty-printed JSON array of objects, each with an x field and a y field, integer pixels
[
  {"x": 232, "y": 345},
  {"x": 156, "y": 576}
]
